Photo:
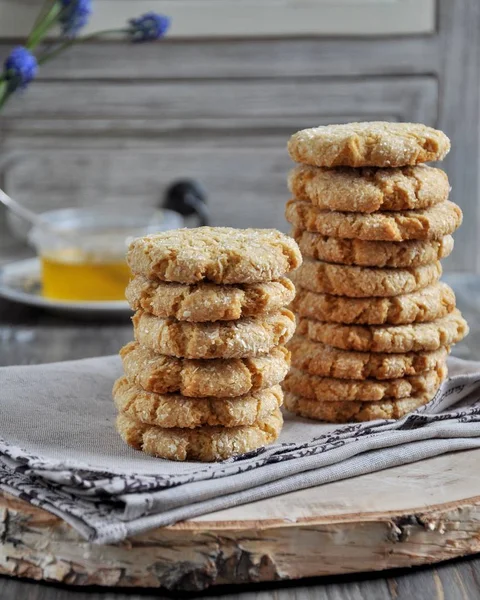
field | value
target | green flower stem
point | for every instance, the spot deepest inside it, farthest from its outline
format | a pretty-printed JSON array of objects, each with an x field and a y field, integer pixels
[
  {"x": 41, "y": 30},
  {"x": 46, "y": 6},
  {"x": 4, "y": 92},
  {"x": 64, "y": 45}
]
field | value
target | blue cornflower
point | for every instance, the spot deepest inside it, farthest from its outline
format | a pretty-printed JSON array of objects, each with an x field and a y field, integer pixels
[
  {"x": 74, "y": 16},
  {"x": 149, "y": 27},
  {"x": 20, "y": 68}
]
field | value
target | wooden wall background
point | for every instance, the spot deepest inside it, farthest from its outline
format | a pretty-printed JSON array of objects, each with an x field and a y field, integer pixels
[{"x": 116, "y": 124}]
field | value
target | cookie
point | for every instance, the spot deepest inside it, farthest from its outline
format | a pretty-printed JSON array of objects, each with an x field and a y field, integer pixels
[
  {"x": 203, "y": 302},
  {"x": 319, "y": 359},
  {"x": 369, "y": 189},
  {"x": 419, "y": 337},
  {"x": 174, "y": 410},
  {"x": 427, "y": 304},
  {"x": 202, "y": 378},
  {"x": 223, "y": 339},
  {"x": 364, "y": 282},
  {"x": 206, "y": 444},
  {"x": 369, "y": 144},
  {"x": 329, "y": 389},
  {"x": 216, "y": 254},
  {"x": 372, "y": 254},
  {"x": 428, "y": 224},
  {"x": 345, "y": 412}
]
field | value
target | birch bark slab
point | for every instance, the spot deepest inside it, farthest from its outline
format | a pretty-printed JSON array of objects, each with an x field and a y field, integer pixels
[{"x": 411, "y": 515}]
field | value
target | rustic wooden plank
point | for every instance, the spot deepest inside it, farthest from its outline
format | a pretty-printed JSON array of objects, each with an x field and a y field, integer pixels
[
  {"x": 209, "y": 18},
  {"x": 459, "y": 107},
  {"x": 248, "y": 132},
  {"x": 453, "y": 581},
  {"x": 244, "y": 187},
  {"x": 412, "y": 96},
  {"x": 455, "y": 578},
  {"x": 199, "y": 59},
  {"x": 30, "y": 344}
]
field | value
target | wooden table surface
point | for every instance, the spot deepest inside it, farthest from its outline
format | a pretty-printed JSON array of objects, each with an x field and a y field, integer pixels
[{"x": 29, "y": 336}]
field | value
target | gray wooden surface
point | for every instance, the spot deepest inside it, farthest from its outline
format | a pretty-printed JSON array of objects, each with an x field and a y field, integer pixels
[
  {"x": 114, "y": 123},
  {"x": 458, "y": 580}
]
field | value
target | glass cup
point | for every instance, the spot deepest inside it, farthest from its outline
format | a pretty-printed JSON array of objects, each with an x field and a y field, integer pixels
[{"x": 82, "y": 250}]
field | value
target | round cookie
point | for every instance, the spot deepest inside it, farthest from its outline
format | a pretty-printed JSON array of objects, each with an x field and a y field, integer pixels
[
  {"x": 368, "y": 144},
  {"x": 364, "y": 282},
  {"x": 174, "y": 410},
  {"x": 326, "y": 361},
  {"x": 205, "y": 444},
  {"x": 369, "y": 189},
  {"x": 203, "y": 302},
  {"x": 427, "y": 304},
  {"x": 345, "y": 412},
  {"x": 216, "y": 254},
  {"x": 329, "y": 389},
  {"x": 223, "y": 339},
  {"x": 412, "y": 253},
  {"x": 419, "y": 337},
  {"x": 428, "y": 224},
  {"x": 203, "y": 378}
]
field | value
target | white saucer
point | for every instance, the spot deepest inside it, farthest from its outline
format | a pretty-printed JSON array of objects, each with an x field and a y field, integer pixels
[{"x": 20, "y": 282}]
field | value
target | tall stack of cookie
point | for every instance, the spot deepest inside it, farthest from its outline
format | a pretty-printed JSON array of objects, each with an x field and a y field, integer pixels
[
  {"x": 202, "y": 376},
  {"x": 375, "y": 323}
]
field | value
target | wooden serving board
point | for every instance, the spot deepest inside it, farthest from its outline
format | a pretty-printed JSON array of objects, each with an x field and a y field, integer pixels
[{"x": 410, "y": 515}]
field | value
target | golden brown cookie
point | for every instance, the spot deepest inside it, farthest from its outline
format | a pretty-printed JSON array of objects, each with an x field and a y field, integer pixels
[
  {"x": 368, "y": 144},
  {"x": 428, "y": 224},
  {"x": 217, "y": 254},
  {"x": 427, "y": 304},
  {"x": 414, "y": 253},
  {"x": 330, "y": 389},
  {"x": 364, "y": 282},
  {"x": 326, "y": 361},
  {"x": 201, "y": 378},
  {"x": 345, "y": 412},
  {"x": 205, "y": 444},
  {"x": 223, "y": 339},
  {"x": 203, "y": 302},
  {"x": 369, "y": 189},
  {"x": 174, "y": 410},
  {"x": 418, "y": 337}
]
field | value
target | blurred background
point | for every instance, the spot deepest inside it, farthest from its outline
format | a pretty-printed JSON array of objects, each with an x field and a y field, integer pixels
[{"x": 216, "y": 101}]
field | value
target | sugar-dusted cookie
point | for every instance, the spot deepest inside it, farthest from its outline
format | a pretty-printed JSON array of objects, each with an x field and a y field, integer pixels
[
  {"x": 326, "y": 361},
  {"x": 223, "y": 339},
  {"x": 364, "y": 282},
  {"x": 428, "y": 224},
  {"x": 206, "y": 444},
  {"x": 216, "y": 254},
  {"x": 369, "y": 144},
  {"x": 369, "y": 189},
  {"x": 330, "y": 389},
  {"x": 345, "y": 412},
  {"x": 426, "y": 304},
  {"x": 418, "y": 337},
  {"x": 202, "y": 378},
  {"x": 203, "y": 302},
  {"x": 174, "y": 410},
  {"x": 413, "y": 253}
]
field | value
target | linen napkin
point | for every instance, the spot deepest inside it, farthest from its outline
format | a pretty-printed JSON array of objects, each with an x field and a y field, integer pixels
[{"x": 59, "y": 450}]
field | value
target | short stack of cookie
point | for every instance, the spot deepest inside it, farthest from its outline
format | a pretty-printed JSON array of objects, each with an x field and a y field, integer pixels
[
  {"x": 202, "y": 376},
  {"x": 375, "y": 324}
]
